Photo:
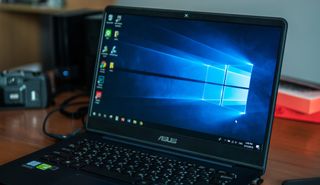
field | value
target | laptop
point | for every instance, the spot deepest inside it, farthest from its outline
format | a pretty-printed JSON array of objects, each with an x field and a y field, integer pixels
[{"x": 178, "y": 97}]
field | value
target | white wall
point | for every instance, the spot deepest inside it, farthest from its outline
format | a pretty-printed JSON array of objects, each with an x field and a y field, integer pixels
[{"x": 302, "y": 54}]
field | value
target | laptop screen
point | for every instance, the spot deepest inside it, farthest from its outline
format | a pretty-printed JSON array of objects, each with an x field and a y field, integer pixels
[{"x": 206, "y": 79}]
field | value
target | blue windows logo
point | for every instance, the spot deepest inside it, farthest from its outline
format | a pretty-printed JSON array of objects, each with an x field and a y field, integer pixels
[
  {"x": 215, "y": 77},
  {"x": 228, "y": 86}
]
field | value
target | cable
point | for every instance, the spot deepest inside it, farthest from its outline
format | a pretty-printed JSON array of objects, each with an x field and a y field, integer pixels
[
  {"x": 79, "y": 114},
  {"x": 81, "y": 111},
  {"x": 60, "y": 136}
]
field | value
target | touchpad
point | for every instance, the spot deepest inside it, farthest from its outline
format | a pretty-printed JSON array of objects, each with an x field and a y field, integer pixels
[{"x": 78, "y": 179}]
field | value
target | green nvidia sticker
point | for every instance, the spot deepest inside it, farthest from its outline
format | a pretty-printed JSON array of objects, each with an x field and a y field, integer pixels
[{"x": 44, "y": 166}]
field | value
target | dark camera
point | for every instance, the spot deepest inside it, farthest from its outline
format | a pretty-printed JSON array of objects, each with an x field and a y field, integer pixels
[{"x": 24, "y": 89}]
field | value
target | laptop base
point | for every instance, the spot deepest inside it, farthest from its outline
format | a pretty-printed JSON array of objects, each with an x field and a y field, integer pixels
[{"x": 34, "y": 169}]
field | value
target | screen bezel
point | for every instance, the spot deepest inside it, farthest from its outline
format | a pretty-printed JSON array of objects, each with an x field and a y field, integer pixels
[{"x": 186, "y": 144}]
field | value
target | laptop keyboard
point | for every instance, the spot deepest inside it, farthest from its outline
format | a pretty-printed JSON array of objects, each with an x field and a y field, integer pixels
[{"x": 134, "y": 166}]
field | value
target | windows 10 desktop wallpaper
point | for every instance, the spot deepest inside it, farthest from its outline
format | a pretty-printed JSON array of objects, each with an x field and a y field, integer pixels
[{"x": 208, "y": 77}]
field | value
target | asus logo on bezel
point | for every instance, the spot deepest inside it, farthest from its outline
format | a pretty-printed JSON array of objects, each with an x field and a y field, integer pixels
[{"x": 168, "y": 139}]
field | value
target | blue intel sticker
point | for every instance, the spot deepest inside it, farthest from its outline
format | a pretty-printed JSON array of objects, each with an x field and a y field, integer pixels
[{"x": 33, "y": 163}]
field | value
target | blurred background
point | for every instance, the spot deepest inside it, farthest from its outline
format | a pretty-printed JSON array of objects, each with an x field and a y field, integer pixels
[
  {"x": 61, "y": 36},
  {"x": 23, "y": 26}
]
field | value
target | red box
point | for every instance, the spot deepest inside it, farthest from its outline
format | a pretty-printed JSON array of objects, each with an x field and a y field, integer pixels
[{"x": 304, "y": 102}]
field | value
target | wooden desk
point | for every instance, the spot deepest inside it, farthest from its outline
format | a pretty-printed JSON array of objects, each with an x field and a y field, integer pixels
[{"x": 294, "y": 152}]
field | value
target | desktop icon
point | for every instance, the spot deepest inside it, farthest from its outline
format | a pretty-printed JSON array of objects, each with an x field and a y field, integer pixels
[
  {"x": 116, "y": 118},
  {"x": 100, "y": 80},
  {"x": 116, "y": 34},
  {"x": 105, "y": 50},
  {"x": 114, "y": 51},
  {"x": 108, "y": 33},
  {"x": 123, "y": 119},
  {"x": 103, "y": 65},
  {"x": 134, "y": 122},
  {"x": 129, "y": 120},
  {"x": 141, "y": 123},
  {"x": 110, "y": 116},
  {"x": 98, "y": 95},
  {"x": 118, "y": 19},
  {"x": 111, "y": 66},
  {"x": 110, "y": 17}
]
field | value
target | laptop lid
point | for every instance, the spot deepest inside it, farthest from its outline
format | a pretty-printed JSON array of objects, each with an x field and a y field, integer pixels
[{"x": 198, "y": 83}]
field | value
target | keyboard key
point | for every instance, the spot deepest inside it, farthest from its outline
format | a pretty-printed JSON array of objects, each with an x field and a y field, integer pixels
[
  {"x": 134, "y": 166},
  {"x": 105, "y": 173}
]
